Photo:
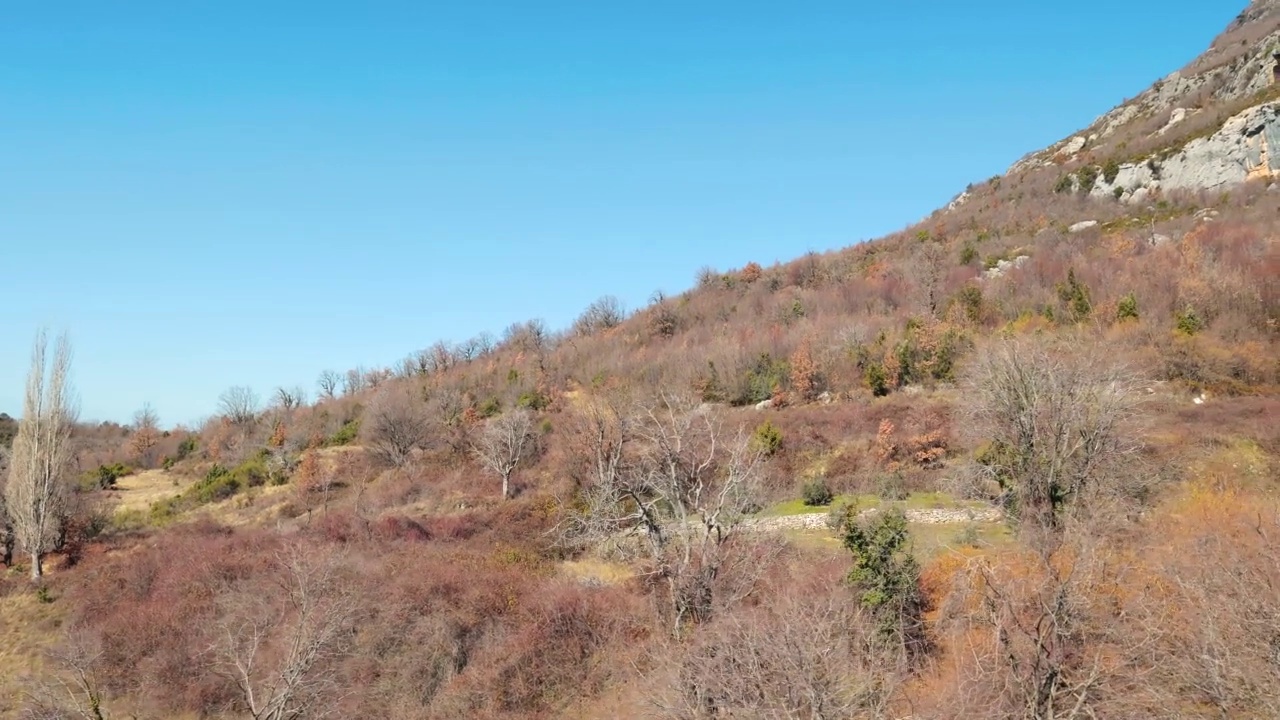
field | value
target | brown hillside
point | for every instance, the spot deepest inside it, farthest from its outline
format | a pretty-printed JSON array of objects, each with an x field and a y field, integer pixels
[{"x": 703, "y": 517}]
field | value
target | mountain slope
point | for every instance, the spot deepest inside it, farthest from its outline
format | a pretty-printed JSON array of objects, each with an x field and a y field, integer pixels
[
  {"x": 367, "y": 519},
  {"x": 1204, "y": 127}
]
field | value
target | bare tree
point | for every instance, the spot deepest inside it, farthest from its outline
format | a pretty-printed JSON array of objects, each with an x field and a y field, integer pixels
[
  {"x": 684, "y": 495},
  {"x": 145, "y": 435},
  {"x": 375, "y": 377},
  {"x": 1060, "y": 425},
  {"x": 396, "y": 423},
  {"x": 239, "y": 405},
  {"x": 288, "y": 399},
  {"x": 276, "y": 645},
  {"x": 475, "y": 347},
  {"x": 1059, "y": 421},
  {"x": 35, "y": 495},
  {"x": 504, "y": 443},
  {"x": 353, "y": 381},
  {"x": 73, "y": 689},
  {"x": 443, "y": 356},
  {"x": 603, "y": 314},
  {"x": 531, "y": 336},
  {"x": 328, "y": 383},
  {"x": 1039, "y": 633},
  {"x": 927, "y": 269},
  {"x": 608, "y": 430},
  {"x": 809, "y": 653}
]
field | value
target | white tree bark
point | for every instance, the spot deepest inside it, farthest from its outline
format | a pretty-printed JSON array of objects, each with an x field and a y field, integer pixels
[
  {"x": 35, "y": 496},
  {"x": 504, "y": 442}
]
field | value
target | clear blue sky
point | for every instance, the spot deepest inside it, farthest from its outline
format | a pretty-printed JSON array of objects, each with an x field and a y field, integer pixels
[{"x": 245, "y": 193}]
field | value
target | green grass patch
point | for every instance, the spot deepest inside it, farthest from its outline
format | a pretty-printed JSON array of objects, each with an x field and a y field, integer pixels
[
  {"x": 915, "y": 501},
  {"x": 218, "y": 484},
  {"x": 929, "y": 540},
  {"x": 797, "y": 506}
]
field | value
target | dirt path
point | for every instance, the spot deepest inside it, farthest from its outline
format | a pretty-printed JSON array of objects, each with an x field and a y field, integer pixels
[{"x": 818, "y": 520}]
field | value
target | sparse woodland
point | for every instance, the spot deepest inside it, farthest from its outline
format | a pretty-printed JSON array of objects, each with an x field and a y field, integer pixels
[{"x": 574, "y": 523}]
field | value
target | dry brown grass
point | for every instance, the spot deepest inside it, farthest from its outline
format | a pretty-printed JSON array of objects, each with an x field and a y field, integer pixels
[
  {"x": 141, "y": 490},
  {"x": 28, "y": 628},
  {"x": 597, "y": 571}
]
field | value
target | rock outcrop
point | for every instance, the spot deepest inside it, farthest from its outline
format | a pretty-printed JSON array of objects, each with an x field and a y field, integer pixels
[
  {"x": 1239, "y": 65},
  {"x": 1004, "y": 266},
  {"x": 1247, "y": 146}
]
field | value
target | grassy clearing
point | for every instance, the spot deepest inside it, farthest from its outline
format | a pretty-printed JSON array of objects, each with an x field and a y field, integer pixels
[
  {"x": 1236, "y": 463},
  {"x": 929, "y": 540},
  {"x": 915, "y": 501},
  {"x": 797, "y": 506},
  {"x": 139, "y": 491}
]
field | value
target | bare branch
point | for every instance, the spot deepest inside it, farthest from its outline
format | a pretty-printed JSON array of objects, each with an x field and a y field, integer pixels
[
  {"x": 35, "y": 495},
  {"x": 239, "y": 405},
  {"x": 504, "y": 443}
]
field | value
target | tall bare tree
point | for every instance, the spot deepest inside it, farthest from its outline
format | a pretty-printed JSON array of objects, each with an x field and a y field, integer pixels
[
  {"x": 396, "y": 423},
  {"x": 354, "y": 381},
  {"x": 328, "y": 383},
  {"x": 926, "y": 269},
  {"x": 290, "y": 398},
  {"x": 1060, "y": 425},
  {"x": 36, "y": 493},
  {"x": 684, "y": 495},
  {"x": 275, "y": 644},
  {"x": 239, "y": 405},
  {"x": 603, "y": 314},
  {"x": 145, "y": 435},
  {"x": 504, "y": 443}
]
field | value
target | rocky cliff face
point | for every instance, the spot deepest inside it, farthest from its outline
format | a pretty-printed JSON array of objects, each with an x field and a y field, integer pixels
[
  {"x": 1247, "y": 146},
  {"x": 1212, "y": 124}
]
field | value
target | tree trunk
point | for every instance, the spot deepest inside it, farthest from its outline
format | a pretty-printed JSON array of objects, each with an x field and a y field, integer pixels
[
  {"x": 506, "y": 486},
  {"x": 37, "y": 570}
]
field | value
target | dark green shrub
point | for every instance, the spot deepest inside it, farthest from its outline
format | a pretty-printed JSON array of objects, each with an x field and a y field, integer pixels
[
  {"x": 767, "y": 439},
  {"x": 968, "y": 254},
  {"x": 252, "y": 472},
  {"x": 1111, "y": 171},
  {"x": 761, "y": 379},
  {"x": 1088, "y": 176},
  {"x": 104, "y": 477},
  {"x": 1188, "y": 321},
  {"x": 816, "y": 493},
  {"x": 971, "y": 300},
  {"x": 186, "y": 448},
  {"x": 886, "y": 577},
  {"x": 1127, "y": 309},
  {"x": 1075, "y": 295},
  {"x": 877, "y": 379},
  {"x": 218, "y": 484},
  {"x": 346, "y": 434},
  {"x": 489, "y": 408},
  {"x": 1064, "y": 185},
  {"x": 533, "y": 400}
]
